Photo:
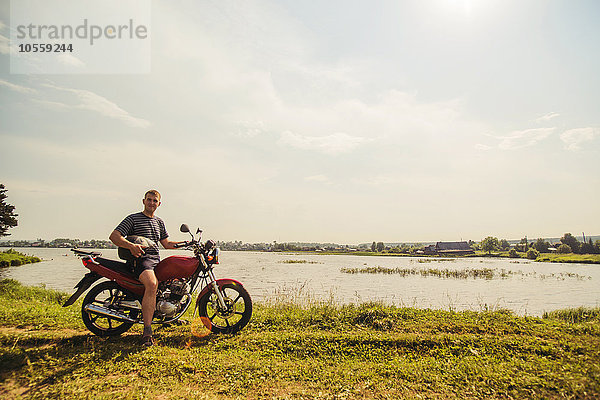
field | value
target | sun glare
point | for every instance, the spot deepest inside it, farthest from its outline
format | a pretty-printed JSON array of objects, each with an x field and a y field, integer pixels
[{"x": 464, "y": 7}]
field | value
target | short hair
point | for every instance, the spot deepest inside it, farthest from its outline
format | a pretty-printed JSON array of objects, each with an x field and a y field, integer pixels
[{"x": 153, "y": 192}]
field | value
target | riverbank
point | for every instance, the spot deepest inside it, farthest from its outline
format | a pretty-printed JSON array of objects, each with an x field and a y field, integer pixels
[
  {"x": 543, "y": 257},
  {"x": 13, "y": 258},
  {"x": 300, "y": 351}
]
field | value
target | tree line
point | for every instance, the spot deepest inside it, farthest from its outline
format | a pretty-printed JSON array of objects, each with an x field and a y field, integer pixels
[{"x": 568, "y": 243}]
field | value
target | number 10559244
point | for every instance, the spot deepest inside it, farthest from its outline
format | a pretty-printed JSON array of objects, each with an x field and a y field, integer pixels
[{"x": 45, "y": 48}]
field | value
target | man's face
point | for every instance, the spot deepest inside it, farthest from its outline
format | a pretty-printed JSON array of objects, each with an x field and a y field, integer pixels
[{"x": 151, "y": 203}]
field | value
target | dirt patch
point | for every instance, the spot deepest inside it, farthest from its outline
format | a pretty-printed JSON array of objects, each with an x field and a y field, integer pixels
[
  {"x": 11, "y": 389},
  {"x": 11, "y": 330}
]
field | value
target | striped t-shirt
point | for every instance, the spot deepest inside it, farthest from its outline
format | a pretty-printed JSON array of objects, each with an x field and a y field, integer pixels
[{"x": 141, "y": 225}]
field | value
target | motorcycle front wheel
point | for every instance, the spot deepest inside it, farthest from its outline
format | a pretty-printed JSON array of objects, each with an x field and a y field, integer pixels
[
  {"x": 230, "y": 320},
  {"x": 108, "y": 295}
]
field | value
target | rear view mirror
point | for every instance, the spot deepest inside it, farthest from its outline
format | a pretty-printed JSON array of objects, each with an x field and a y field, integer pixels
[{"x": 184, "y": 228}]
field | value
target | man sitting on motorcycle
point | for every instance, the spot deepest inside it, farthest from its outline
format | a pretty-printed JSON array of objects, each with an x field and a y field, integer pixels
[{"x": 147, "y": 225}]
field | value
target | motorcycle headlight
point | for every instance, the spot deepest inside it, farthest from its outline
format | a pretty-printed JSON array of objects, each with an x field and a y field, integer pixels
[{"x": 213, "y": 256}]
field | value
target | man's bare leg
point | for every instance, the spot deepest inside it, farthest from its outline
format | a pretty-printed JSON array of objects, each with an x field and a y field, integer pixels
[{"x": 148, "y": 278}]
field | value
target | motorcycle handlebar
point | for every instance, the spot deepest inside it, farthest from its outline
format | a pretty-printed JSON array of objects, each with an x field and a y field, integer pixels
[{"x": 182, "y": 244}]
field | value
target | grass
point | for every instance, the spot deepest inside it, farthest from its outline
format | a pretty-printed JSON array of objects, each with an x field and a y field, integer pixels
[
  {"x": 300, "y": 351},
  {"x": 575, "y": 315},
  {"x": 570, "y": 258},
  {"x": 11, "y": 257}
]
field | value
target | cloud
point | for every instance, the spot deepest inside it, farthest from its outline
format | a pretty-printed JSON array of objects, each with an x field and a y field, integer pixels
[
  {"x": 377, "y": 180},
  {"x": 546, "y": 117},
  {"x": 52, "y": 104},
  {"x": 70, "y": 60},
  {"x": 336, "y": 143},
  {"x": 4, "y": 45},
  {"x": 574, "y": 138},
  {"x": 93, "y": 102},
  {"x": 17, "y": 88},
  {"x": 526, "y": 138},
  {"x": 483, "y": 147},
  {"x": 318, "y": 178},
  {"x": 250, "y": 129}
]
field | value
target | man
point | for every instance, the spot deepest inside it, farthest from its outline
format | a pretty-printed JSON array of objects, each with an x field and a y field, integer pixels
[{"x": 145, "y": 224}]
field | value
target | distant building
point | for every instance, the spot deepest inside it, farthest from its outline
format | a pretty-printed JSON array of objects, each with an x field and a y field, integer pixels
[{"x": 449, "y": 248}]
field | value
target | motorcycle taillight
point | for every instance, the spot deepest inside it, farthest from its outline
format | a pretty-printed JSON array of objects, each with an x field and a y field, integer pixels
[{"x": 87, "y": 261}]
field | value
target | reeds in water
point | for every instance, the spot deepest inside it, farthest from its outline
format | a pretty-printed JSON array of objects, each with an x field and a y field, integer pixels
[
  {"x": 482, "y": 273},
  {"x": 476, "y": 273}
]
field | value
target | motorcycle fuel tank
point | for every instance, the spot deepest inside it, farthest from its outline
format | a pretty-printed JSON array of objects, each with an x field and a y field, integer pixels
[{"x": 176, "y": 267}]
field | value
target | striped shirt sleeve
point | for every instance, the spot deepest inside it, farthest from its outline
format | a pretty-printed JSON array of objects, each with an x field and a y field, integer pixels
[{"x": 126, "y": 226}]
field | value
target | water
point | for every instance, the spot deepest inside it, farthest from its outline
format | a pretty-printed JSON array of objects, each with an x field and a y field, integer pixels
[{"x": 531, "y": 289}]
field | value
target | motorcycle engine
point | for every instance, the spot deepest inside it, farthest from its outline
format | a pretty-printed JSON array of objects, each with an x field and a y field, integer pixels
[{"x": 173, "y": 295}]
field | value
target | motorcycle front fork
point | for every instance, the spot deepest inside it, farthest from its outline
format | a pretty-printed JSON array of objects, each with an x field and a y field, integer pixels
[{"x": 217, "y": 290}]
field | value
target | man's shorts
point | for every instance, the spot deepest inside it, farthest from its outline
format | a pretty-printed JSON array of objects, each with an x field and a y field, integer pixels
[{"x": 145, "y": 262}]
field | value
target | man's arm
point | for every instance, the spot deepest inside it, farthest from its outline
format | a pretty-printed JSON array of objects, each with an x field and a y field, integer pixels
[
  {"x": 117, "y": 238},
  {"x": 168, "y": 244}
]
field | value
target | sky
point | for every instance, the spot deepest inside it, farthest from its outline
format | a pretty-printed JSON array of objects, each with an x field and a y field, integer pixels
[{"x": 320, "y": 121}]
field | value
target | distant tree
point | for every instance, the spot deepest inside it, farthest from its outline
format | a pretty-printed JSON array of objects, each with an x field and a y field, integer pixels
[
  {"x": 380, "y": 246},
  {"x": 522, "y": 245},
  {"x": 8, "y": 218},
  {"x": 504, "y": 245},
  {"x": 541, "y": 245},
  {"x": 373, "y": 246},
  {"x": 512, "y": 253},
  {"x": 416, "y": 247},
  {"x": 587, "y": 248},
  {"x": 572, "y": 241},
  {"x": 564, "y": 249},
  {"x": 489, "y": 244},
  {"x": 532, "y": 254}
]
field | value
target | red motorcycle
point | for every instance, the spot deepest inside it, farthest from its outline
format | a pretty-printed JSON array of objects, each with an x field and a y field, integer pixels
[{"x": 112, "y": 307}]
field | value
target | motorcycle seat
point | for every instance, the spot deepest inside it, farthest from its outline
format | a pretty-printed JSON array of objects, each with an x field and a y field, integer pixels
[{"x": 125, "y": 268}]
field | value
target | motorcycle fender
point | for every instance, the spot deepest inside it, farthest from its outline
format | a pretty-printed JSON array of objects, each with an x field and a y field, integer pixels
[
  {"x": 220, "y": 282},
  {"x": 82, "y": 286}
]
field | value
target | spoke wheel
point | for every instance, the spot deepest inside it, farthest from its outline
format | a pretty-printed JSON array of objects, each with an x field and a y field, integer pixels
[
  {"x": 231, "y": 319},
  {"x": 108, "y": 295}
]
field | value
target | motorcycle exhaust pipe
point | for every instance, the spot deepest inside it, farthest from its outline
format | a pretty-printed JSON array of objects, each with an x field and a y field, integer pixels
[{"x": 95, "y": 309}]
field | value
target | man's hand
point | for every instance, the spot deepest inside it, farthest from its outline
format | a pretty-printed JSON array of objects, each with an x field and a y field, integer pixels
[
  {"x": 136, "y": 249},
  {"x": 168, "y": 244},
  {"x": 117, "y": 238}
]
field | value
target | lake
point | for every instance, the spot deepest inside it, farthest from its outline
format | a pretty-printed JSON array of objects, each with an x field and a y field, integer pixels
[{"x": 525, "y": 287}]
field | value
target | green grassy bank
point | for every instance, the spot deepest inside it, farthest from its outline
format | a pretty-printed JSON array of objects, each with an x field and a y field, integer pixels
[
  {"x": 570, "y": 258},
  {"x": 310, "y": 351},
  {"x": 11, "y": 257}
]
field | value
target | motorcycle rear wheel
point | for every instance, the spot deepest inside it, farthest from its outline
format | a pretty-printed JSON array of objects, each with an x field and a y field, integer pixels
[
  {"x": 106, "y": 294},
  {"x": 234, "y": 318}
]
